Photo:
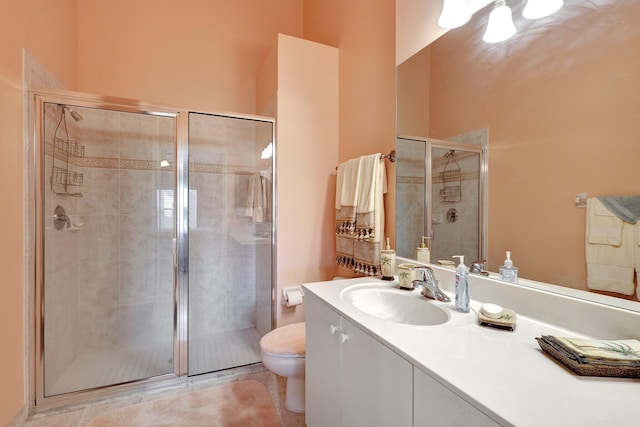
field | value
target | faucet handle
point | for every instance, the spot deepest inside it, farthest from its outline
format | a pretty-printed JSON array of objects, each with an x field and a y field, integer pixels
[{"x": 427, "y": 273}]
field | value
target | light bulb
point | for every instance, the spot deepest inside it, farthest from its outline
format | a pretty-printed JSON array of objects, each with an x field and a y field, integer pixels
[
  {"x": 535, "y": 9},
  {"x": 455, "y": 13},
  {"x": 500, "y": 26}
]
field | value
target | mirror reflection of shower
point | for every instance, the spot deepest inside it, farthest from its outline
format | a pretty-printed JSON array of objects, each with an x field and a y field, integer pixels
[{"x": 431, "y": 178}]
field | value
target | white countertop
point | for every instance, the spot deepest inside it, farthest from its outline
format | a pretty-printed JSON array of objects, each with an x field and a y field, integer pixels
[{"x": 504, "y": 374}]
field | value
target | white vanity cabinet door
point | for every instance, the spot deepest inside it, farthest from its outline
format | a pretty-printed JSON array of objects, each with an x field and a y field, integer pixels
[
  {"x": 434, "y": 405},
  {"x": 376, "y": 382},
  {"x": 322, "y": 364},
  {"x": 352, "y": 379}
]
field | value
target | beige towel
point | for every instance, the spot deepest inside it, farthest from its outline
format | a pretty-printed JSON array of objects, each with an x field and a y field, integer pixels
[
  {"x": 610, "y": 252},
  {"x": 347, "y": 185},
  {"x": 258, "y": 203},
  {"x": 360, "y": 228},
  {"x": 603, "y": 226}
]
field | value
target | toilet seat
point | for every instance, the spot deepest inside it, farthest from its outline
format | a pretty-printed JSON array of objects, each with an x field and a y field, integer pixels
[{"x": 285, "y": 341}]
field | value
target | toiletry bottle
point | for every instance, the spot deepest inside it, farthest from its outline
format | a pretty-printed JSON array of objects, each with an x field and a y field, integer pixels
[
  {"x": 387, "y": 261},
  {"x": 508, "y": 272},
  {"x": 462, "y": 286},
  {"x": 423, "y": 254}
]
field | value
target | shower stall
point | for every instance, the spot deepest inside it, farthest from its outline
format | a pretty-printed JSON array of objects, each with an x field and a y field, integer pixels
[
  {"x": 441, "y": 192},
  {"x": 153, "y": 241}
]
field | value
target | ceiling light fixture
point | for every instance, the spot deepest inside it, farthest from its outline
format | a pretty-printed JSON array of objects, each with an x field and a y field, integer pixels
[
  {"x": 535, "y": 9},
  {"x": 455, "y": 13},
  {"x": 500, "y": 26}
]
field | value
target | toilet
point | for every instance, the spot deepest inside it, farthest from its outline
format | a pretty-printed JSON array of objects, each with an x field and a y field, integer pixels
[{"x": 283, "y": 353}]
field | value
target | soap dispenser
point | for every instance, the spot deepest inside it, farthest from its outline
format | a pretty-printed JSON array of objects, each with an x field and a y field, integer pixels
[
  {"x": 508, "y": 272},
  {"x": 423, "y": 254},
  {"x": 462, "y": 286},
  {"x": 387, "y": 261}
]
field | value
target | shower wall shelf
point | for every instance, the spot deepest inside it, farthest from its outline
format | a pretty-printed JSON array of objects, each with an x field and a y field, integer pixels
[
  {"x": 68, "y": 148},
  {"x": 67, "y": 177}
]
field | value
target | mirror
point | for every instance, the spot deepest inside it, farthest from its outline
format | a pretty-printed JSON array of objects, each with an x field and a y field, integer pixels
[{"x": 561, "y": 102}]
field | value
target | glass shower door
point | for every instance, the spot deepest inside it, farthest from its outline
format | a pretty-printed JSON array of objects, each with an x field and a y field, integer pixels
[
  {"x": 108, "y": 279},
  {"x": 456, "y": 203},
  {"x": 230, "y": 240}
]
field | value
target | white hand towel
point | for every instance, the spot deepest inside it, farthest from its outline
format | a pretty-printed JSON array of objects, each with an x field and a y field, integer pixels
[
  {"x": 350, "y": 183},
  {"x": 610, "y": 268},
  {"x": 368, "y": 173}
]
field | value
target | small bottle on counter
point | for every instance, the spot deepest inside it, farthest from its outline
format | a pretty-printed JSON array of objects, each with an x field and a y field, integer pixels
[
  {"x": 423, "y": 253},
  {"x": 462, "y": 286},
  {"x": 508, "y": 272},
  {"x": 387, "y": 261}
]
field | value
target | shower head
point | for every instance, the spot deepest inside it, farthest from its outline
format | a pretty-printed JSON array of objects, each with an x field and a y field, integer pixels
[{"x": 76, "y": 116}]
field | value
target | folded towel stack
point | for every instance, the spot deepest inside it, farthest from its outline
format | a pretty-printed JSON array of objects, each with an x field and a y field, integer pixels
[
  {"x": 605, "y": 358},
  {"x": 613, "y": 244}
]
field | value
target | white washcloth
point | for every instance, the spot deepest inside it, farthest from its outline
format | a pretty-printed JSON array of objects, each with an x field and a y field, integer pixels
[{"x": 603, "y": 227}]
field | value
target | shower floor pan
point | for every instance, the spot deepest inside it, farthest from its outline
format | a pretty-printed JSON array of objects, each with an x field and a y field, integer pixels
[{"x": 206, "y": 354}]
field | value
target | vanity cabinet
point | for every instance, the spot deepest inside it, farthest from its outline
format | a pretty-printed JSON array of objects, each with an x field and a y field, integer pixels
[
  {"x": 436, "y": 405},
  {"x": 352, "y": 379}
]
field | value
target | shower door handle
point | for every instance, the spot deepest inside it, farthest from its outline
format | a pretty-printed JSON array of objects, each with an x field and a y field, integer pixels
[{"x": 174, "y": 249}]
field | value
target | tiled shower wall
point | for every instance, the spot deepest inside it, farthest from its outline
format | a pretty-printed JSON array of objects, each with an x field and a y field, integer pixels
[{"x": 109, "y": 278}]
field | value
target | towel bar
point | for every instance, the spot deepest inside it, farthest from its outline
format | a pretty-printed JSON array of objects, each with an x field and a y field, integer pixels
[{"x": 391, "y": 157}]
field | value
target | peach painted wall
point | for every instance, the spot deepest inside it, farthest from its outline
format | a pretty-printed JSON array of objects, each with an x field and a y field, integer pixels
[
  {"x": 562, "y": 111},
  {"x": 414, "y": 76},
  {"x": 307, "y": 152},
  {"x": 202, "y": 54},
  {"x": 364, "y": 32},
  {"x": 416, "y": 26},
  {"x": 25, "y": 24}
]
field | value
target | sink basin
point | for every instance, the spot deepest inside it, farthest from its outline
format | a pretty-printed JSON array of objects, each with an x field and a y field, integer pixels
[{"x": 395, "y": 305}]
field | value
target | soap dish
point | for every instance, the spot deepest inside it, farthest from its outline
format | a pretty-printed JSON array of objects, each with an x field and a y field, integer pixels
[{"x": 506, "y": 321}]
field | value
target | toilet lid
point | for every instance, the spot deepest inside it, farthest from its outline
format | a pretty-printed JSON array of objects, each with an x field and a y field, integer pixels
[{"x": 285, "y": 341}]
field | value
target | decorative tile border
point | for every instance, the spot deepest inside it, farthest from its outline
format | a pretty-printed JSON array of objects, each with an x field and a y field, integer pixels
[
  {"x": 133, "y": 164},
  {"x": 410, "y": 180},
  {"x": 467, "y": 176}
]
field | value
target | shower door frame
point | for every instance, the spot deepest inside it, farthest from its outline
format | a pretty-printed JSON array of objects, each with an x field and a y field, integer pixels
[{"x": 36, "y": 217}]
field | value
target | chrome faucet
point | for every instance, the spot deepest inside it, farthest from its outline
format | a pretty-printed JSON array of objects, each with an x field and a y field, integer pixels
[
  {"x": 429, "y": 285},
  {"x": 477, "y": 267}
]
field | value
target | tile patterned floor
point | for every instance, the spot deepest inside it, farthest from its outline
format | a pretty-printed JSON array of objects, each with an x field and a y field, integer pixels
[{"x": 80, "y": 417}]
